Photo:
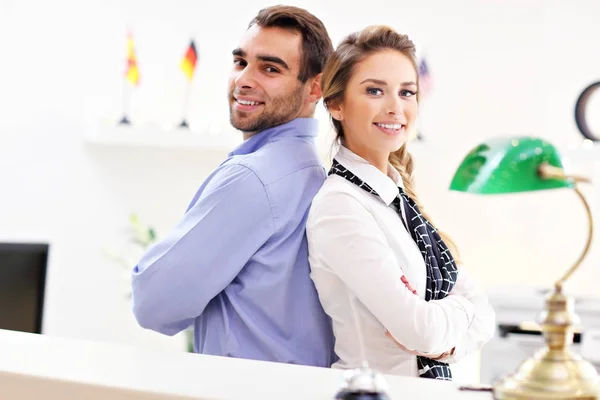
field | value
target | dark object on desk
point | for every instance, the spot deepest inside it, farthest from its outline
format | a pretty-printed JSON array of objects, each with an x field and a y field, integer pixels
[
  {"x": 504, "y": 330},
  {"x": 476, "y": 388},
  {"x": 22, "y": 285},
  {"x": 344, "y": 395},
  {"x": 363, "y": 384}
]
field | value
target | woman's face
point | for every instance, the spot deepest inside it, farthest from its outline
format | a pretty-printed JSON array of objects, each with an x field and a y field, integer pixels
[{"x": 379, "y": 108}]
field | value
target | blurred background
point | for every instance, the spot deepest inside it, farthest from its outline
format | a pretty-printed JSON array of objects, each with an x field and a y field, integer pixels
[{"x": 70, "y": 178}]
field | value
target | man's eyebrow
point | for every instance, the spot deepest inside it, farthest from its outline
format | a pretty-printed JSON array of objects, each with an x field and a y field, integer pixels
[
  {"x": 238, "y": 52},
  {"x": 274, "y": 60},
  {"x": 262, "y": 57}
]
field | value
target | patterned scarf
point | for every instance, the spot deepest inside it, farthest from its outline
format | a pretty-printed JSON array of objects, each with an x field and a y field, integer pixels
[{"x": 441, "y": 268}]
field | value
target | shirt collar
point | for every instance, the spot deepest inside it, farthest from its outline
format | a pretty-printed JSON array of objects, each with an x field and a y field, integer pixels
[
  {"x": 385, "y": 185},
  {"x": 299, "y": 127}
]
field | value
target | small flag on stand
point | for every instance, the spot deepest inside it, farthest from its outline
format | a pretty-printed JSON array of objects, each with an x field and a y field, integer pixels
[
  {"x": 425, "y": 82},
  {"x": 133, "y": 73},
  {"x": 425, "y": 86},
  {"x": 132, "y": 76},
  {"x": 188, "y": 66}
]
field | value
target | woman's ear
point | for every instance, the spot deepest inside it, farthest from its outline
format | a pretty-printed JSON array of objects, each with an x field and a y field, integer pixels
[{"x": 335, "y": 110}]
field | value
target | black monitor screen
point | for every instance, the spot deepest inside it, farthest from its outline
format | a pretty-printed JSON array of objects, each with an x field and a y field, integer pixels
[{"x": 22, "y": 284}]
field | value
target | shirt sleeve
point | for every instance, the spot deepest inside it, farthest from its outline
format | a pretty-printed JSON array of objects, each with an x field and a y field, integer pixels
[
  {"x": 344, "y": 236},
  {"x": 225, "y": 225},
  {"x": 483, "y": 326}
]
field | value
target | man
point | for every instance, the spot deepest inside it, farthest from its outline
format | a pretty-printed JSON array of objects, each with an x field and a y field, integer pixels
[{"x": 236, "y": 265}]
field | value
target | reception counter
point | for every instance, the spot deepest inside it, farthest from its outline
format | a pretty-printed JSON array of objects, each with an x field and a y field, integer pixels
[{"x": 42, "y": 367}]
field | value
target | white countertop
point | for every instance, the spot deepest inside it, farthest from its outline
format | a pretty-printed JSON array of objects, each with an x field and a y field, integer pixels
[{"x": 38, "y": 366}]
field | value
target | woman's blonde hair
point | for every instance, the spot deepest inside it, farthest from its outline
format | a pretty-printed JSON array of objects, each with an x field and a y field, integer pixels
[{"x": 337, "y": 73}]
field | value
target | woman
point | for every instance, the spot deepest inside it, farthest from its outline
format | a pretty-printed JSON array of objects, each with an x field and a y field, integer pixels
[{"x": 387, "y": 278}]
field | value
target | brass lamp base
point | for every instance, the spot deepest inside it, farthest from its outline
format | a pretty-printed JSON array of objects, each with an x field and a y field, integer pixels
[{"x": 554, "y": 372}]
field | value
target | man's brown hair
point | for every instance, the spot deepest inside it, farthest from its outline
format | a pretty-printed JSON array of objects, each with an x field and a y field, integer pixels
[{"x": 316, "y": 43}]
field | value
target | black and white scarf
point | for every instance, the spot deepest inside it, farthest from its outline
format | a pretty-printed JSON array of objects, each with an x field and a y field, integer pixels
[{"x": 439, "y": 263}]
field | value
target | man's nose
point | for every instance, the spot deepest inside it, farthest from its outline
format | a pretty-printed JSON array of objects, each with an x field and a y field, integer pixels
[{"x": 245, "y": 79}]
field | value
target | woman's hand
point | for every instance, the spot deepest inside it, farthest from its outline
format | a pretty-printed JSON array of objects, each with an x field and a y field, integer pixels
[{"x": 432, "y": 357}]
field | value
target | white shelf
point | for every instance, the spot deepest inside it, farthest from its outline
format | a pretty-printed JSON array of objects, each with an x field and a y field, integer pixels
[
  {"x": 218, "y": 139},
  {"x": 153, "y": 137}
]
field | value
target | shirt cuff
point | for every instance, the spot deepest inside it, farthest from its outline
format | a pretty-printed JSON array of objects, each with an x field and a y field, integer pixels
[
  {"x": 467, "y": 307},
  {"x": 461, "y": 347}
]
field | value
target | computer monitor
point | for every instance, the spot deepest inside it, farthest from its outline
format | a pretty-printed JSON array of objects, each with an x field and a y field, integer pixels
[{"x": 22, "y": 285}]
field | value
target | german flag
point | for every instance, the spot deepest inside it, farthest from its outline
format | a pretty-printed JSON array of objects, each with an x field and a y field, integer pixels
[
  {"x": 132, "y": 74},
  {"x": 188, "y": 64}
]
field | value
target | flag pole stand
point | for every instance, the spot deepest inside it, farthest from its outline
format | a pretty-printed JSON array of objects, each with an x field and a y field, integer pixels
[
  {"x": 126, "y": 98},
  {"x": 184, "y": 124}
]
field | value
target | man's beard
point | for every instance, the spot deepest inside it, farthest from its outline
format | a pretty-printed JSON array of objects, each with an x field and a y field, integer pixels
[{"x": 281, "y": 109}]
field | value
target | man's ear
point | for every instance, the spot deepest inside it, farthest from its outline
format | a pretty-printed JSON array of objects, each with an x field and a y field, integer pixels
[{"x": 315, "y": 93}]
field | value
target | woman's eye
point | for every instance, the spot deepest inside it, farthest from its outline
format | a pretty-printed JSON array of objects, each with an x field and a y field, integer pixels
[{"x": 374, "y": 91}]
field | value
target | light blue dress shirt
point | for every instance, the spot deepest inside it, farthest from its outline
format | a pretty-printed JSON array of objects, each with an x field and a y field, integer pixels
[{"x": 236, "y": 265}]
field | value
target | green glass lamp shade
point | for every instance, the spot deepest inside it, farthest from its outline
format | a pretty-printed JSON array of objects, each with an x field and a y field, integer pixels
[{"x": 508, "y": 165}]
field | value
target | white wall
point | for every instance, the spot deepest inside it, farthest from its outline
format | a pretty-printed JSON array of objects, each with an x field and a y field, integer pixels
[{"x": 500, "y": 68}]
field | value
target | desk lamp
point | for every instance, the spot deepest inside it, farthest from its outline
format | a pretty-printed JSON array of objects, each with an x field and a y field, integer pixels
[{"x": 525, "y": 164}]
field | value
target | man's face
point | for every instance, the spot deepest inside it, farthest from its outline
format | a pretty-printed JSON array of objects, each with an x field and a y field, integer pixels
[{"x": 264, "y": 90}]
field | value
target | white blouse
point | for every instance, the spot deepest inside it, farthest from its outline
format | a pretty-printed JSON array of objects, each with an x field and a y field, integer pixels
[{"x": 359, "y": 250}]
